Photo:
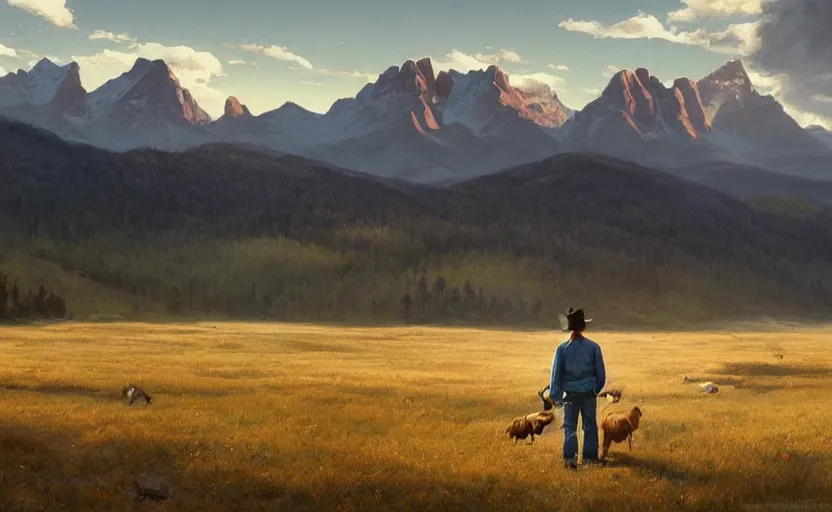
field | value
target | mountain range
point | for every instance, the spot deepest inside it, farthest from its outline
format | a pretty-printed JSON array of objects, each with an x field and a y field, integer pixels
[{"x": 440, "y": 128}]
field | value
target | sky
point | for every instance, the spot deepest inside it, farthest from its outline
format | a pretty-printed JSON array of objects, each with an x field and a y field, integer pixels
[{"x": 313, "y": 52}]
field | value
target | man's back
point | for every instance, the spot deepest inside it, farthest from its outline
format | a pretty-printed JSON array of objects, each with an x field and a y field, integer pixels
[{"x": 578, "y": 367}]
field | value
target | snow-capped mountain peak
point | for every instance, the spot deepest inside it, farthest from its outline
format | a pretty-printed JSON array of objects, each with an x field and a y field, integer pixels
[
  {"x": 42, "y": 84},
  {"x": 149, "y": 91},
  {"x": 475, "y": 98},
  {"x": 109, "y": 93}
]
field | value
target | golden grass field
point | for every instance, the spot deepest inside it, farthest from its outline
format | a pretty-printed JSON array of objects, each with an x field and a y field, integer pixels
[{"x": 300, "y": 417}]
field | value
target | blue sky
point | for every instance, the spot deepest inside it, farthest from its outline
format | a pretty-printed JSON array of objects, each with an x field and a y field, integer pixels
[{"x": 313, "y": 52}]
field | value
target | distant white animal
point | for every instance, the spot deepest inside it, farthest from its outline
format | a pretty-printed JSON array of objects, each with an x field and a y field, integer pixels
[{"x": 708, "y": 387}]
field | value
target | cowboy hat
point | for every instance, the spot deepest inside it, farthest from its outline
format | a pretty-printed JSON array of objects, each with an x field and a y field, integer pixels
[{"x": 573, "y": 320}]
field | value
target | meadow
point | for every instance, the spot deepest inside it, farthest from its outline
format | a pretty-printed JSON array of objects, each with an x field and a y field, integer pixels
[{"x": 271, "y": 416}]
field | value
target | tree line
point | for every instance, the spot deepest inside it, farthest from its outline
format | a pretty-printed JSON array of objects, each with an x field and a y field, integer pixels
[
  {"x": 441, "y": 303},
  {"x": 16, "y": 305}
]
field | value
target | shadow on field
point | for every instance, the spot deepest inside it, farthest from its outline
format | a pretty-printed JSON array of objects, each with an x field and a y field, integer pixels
[
  {"x": 106, "y": 395},
  {"x": 64, "y": 469},
  {"x": 59, "y": 470},
  {"x": 50, "y": 470},
  {"x": 774, "y": 370},
  {"x": 660, "y": 469},
  {"x": 58, "y": 389}
]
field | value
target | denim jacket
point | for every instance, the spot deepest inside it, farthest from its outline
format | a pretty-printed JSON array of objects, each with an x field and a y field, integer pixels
[{"x": 578, "y": 366}]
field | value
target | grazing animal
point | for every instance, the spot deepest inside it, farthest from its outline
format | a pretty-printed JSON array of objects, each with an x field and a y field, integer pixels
[
  {"x": 529, "y": 425},
  {"x": 618, "y": 426},
  {"x": 135, "y": 393}
]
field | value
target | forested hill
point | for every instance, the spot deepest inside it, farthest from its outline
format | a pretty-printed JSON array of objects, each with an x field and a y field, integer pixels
[{"x": 222, "y": 229}]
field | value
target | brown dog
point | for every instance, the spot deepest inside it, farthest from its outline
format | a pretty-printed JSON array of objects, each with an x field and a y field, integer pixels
[
  {"x": 618, "y": 426},
  {"x": 529, "y": 425}
]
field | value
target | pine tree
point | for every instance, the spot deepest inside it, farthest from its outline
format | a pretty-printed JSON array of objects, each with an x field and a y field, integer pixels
[
  {"x": 455, "y": 304},
  {"x": 406, "y": 303},
  {"x": 174, "y": 300},
  {"x": 422, "y": 287},
  {"x": 40, "y": 303},
  {"x": 439, "y": 286},
  {"x": 4, "y": 296},
  {"x": 16, "y": 309},
  {"x": 482, "y": 304},
  {"x": 422, "y": 300}
]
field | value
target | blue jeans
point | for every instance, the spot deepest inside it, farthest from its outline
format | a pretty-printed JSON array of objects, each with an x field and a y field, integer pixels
[{"x": 585, "y": 404}]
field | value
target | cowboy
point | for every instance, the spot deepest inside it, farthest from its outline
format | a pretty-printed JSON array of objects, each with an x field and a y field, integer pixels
[{"x": 578, "y": 375}]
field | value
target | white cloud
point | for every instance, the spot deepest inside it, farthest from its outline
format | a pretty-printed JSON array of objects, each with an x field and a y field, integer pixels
[
  {"x": 763, "y": 83},
  {"x": 610, "y": 71},
  {"x": 276, "y": 52},
  {"x": 3, "y": 72},
  {"x": 109, "y": 62},
  {"x": 500, "y": 56},
  {"x": 781, "y": 86},
  {"x": 709, "y": 9},
  {"x": 5, "y": 51},
  {"x": 347, "y": 74},
  {"x": 593, "y": 91},
  {"x": 27, "y": 52},
  {"x": 109, "y": 36},
  {"x": 308, "y": 82},
  {"x": 240, "y": 62},
  {"x": 458, "y": 61},
  {"x": 54, "y": 11},
  {"x": 336, "y": 73},
  {"x": 524, "y": 81},
  {"x": 464, "y": 63},
  {"x": 194, "y": 69},
  {"x": 737, "y": 39},
  {"x": 559, "y": 67},
  {"x": 795, "y": 42}
]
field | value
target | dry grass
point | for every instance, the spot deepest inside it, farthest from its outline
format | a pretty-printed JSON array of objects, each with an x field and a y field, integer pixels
[{"x": 284, "y": 417}]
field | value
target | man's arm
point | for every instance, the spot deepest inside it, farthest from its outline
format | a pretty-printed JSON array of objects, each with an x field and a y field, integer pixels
[
  {"x": 556, "y": 382},
  {"x": 600, "y": 370}
]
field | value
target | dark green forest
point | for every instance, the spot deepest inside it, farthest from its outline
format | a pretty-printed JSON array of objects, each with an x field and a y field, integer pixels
[
  {"x": 225, "y": 230},
  {"x": 18, "y": 303}
]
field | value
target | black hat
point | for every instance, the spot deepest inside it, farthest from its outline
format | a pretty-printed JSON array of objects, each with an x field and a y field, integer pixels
[{"x": 574, "y": 320}]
